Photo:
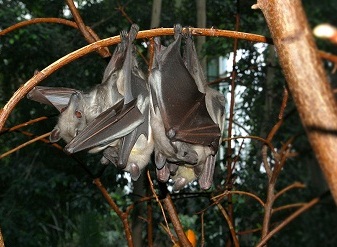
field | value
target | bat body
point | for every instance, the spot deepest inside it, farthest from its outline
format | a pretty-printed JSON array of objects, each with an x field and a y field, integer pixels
[
  {"x": 108, "y": 117},
  {"x": 126, "y": 122},
  {"x": 184, "y": 118},
  {"x": 78, "y": 108}
]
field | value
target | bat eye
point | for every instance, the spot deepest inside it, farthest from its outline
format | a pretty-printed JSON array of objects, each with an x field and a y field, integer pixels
[
  {"x": 63, "y": 109},
  {"x": 78, "y": 114}
]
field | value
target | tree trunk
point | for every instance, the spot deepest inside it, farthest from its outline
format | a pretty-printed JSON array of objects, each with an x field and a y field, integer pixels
[
  {"x": 156, "y": 10},
  {"x": 306, "y": 79}
]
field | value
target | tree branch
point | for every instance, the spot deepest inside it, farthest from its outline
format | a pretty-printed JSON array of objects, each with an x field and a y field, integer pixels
[
  {"x": 88, "y": 35},
  {"x": 304, "y": 72},
  {"x": 113, "y": 205},
  {"x": 23, "y": 90}
]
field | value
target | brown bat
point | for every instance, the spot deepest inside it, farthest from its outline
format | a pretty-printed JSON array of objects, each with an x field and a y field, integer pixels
[{"x": 186, "y": 115}]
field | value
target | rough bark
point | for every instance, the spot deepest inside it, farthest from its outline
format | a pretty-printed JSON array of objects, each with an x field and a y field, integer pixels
[{"x": 306, "y": 79}]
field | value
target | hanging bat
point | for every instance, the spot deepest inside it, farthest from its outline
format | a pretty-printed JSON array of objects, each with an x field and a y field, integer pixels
[
  {"x": 79, "y": 108},
  {"x": 215, "y": 104},
  {"x": 126, "y": 123},
  {"x": 181, "y": 116}
]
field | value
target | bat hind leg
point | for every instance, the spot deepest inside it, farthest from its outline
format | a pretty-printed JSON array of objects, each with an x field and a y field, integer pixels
[{"x": 206, "y": 176}]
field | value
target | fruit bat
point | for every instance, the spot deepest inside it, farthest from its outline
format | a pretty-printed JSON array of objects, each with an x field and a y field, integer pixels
[
  {"x": 78, "y": 108},
  {"x": 104, "y": 101},
  {"x": 127, "y": 122},
  {"x": 184, "y": 118}
]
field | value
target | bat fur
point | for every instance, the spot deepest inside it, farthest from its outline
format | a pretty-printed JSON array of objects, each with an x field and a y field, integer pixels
[{"x": 195, "y": 160}]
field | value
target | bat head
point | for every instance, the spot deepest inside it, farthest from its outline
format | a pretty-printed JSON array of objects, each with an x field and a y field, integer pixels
[{"x": 71, "y": 120}]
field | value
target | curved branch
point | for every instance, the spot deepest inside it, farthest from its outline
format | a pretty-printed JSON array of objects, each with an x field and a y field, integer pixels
[
  {"x": 25, "y": 144},
  {"x": 258, "y": 199},
  {"x": 38, "y": 20},
  {"x": 229, "y": 222},
  {"x": 22, "y": 91}
]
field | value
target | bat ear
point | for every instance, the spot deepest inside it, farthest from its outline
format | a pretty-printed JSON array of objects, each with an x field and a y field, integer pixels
[{"x": 55, "y": 135}]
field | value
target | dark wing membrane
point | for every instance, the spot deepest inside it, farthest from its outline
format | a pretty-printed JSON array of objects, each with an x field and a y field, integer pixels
[
  {"x": 54, "y": 96},
  {"x": 181, "y": 104},
  {"x": 110, "y": 125}
]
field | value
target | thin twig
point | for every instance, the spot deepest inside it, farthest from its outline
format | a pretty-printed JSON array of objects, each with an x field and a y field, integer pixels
[
  {"x": 202, "y": 244},
  {"x": 239, "y": 193},
  {"x": 229, "y": 161},
  {"x": 24, "y": 145},
  {"x": 167, "y": 201},
  {"x": 19, "y": 126},
  {"x": 113, "y": 205},
  {"x": 36, "y": 21},
  {"x": 229, "y": 222},
  {"x": 289, "y": 187},
  {"x": 160, "y": 205},
  {"x": 104, "y": 52},
  {"x": 294, "y": 205},
  {"x": 287, "y": 221},
  {"x": 149, "y": 212},
  {"x": 268, "y": 143}
]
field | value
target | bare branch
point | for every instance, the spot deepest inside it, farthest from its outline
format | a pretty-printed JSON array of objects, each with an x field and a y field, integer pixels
[
  {"x": 306, "y": 79},
  {"x": 24, "y": 145},
  {"x": 287, "y": 221},
  {"x": 229, "y": 222},
  {"x": 290, "y": 187},
  {"x": 113, "y": 205},
  {"x": 103, "y": 51}
]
